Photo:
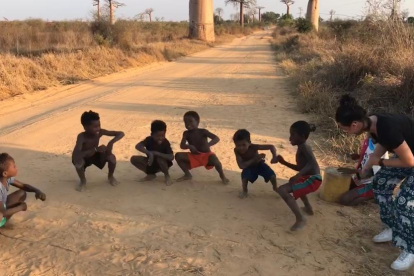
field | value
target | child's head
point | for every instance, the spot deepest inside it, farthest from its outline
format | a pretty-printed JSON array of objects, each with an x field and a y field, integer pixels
[
  {"x": 91, "y": 122},
  {"x": 7, "y": 166},
  {"x": 242, "y": 140},
  {"x": 191, "y": 120},
  {"x": 158, "y": 130},
  {"x": 299, "y": 132}
]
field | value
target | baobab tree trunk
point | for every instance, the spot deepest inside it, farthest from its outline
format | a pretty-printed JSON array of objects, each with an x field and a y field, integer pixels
[
  {"x": 99, "y": 10},
  {"x": 288, "y": 10},
  {"x": 150, "y": 16},
  {"x": 242, "y": 14},
  {"x": 202, "y": 20},
  {"x": 313, "y": 13},
  {"x": 111, "y": 13},
  {"x": 260, "y": 16}
]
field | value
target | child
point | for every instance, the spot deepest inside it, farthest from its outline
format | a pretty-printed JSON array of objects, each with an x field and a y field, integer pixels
[
  {"x": 251, "y": 162},
  {"x": 158, "y": 151},
  {"x": 15, "y": 202},
  {"x": 196, "y": 140},
  {"x": 308, "y": 178},
  {"x": 88, "y": 153},
  {"x": 361, "y": 190}
]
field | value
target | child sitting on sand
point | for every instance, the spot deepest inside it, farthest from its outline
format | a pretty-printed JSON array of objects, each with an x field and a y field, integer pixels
[
  {"x": 159, "y": 153},
  {"x": 196, "y": 140},
  {"x": 361, "y": 190},
  {"x": 308, "y": 178},
  {"x": 15, "y": 202},
  {"x": 251, "y": 162},
  {"x": 87, "y": 151}
]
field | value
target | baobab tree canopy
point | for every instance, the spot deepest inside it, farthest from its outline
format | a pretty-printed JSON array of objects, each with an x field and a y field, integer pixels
[{"x": 242, "y": 4}]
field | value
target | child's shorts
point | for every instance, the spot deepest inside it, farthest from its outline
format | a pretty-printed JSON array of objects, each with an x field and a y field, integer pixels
[
  {"x": 365, "y": 191},
  {"x": 306, "y": 185},
  {"x": 200, "y": 160},
  {"x": 261, "y": 169},
  {"x": 155, "y": 167},
  {"x": 99, "y": 159}
]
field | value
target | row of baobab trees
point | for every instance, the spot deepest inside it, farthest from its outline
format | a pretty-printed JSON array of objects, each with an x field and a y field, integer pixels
[{"x": 111, "y": 5}]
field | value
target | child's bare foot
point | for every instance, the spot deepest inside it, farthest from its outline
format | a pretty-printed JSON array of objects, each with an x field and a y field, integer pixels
[
  {"x": 168, "y": 180},
  {"x": 149, "y": 177},
  {"x": 308, "y": 210},
  {"x": 243, "y": 195},
  {"x": 185, "y": 177},
  {"x": 298, "y": 225},
  {"x": 275, "y": 188},
  {"x": 81, "y": 186},
  {"x": 113, "y": 181},
  {"x": 225, "y": 180}
]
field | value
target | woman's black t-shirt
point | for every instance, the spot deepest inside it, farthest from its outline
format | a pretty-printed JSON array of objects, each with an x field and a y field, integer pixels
[{"x": 393, "y": 130}]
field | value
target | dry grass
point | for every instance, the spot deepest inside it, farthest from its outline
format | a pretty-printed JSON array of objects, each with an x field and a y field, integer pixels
[
  {"x": 371, "y": 61},
  {"x": 36, "y": 55}
]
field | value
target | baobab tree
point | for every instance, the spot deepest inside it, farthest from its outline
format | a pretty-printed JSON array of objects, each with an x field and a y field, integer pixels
[
  {"x": 288, "y": 3},
  {"x": 394, "y": 7},
  {"x": 260, "y": 12},
  {"x": 112, "y": 5},
  {"x": 219, "y": 12},
  {"x": 331, "y": 14},
  {"x": 97, "y": 3},
  {"x": 242, "y": 4},
  {"x": 149, "y": 13},
  {"x": 313, "y": 13},
  {"x": 202, "y": 20}
]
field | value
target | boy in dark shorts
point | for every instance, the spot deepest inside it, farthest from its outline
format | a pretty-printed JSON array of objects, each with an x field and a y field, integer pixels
[
  {"x": 15, "y": 202},
  {"x": 307, "y": 180},
  {"x": 196, "y": 140},
  {"x": 251, "y": 162},
  {"x": 87, "y": 151},
  {"x": 159, "y": 153}
]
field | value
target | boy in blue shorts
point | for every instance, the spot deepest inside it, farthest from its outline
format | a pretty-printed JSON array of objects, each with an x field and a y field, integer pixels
[
  {"x": 15, "y": 202},
  {"x": 307, "y": 180},
  {"x": 251, "y": 162}
]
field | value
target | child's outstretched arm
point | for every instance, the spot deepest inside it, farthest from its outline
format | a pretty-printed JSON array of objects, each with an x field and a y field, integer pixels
[
  {"x": 272, "y": 150},
  {"x": 287, "y": 164},
  {"x": 118, "y": 135},
  {"x": 245, "y": 164},
  {"x": 30, "y": 189},
  {"x": 213, "y": 138}
]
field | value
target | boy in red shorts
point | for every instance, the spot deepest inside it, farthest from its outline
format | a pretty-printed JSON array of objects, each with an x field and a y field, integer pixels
[
  {"x": 196, "y": 140},
  {"x": 307, "y": 180}
]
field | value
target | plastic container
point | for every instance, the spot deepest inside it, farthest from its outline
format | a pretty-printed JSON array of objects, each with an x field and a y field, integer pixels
[{"x": 334, "y": 185}]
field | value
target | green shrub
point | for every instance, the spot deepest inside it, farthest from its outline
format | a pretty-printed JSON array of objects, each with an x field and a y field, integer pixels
[{"x": 303, "y": 25}]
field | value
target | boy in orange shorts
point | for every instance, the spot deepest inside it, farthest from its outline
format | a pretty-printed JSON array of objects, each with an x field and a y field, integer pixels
[
  {"x": 307, "y": 180},
  {"x": 196, "y": 140}
]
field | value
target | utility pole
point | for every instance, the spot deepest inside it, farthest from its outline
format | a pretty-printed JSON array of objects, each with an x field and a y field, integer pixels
[{"x": 300, "y": 12}]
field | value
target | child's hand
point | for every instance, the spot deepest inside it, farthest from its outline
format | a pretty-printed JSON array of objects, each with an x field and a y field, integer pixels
[
  {"x": 23, "y": 206},
  {"x": 347, "y": 170},
  {"x": 262, "y": 156},
  {"x": 355, "y": 156},
  {"x": 101, "y": 148},
  {"x": 40, "y": 195},
  {"x": 193, "y": 149},
  {"x": 280, "y": 159},
  {"x": 150, "y": 158},
  {"x": 294, "y": 179},
  {"x": 274, "y": 160},
  {"x": 109, "y": 147}
]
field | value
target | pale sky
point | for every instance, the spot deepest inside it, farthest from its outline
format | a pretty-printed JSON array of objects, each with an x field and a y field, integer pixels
[{"x": 175, "y": 10}]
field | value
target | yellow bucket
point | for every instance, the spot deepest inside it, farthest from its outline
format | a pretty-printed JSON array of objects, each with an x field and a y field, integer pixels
[{"x": 334, "y": 185}]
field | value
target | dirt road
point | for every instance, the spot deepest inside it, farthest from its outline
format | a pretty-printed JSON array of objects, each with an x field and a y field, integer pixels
[{"x": 195, "y": 228}]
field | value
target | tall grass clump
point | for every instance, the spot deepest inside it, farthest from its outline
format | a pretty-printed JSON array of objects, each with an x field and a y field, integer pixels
[
  {"x": 373, "y": 61},
  {"x": 35, "y": 55}
]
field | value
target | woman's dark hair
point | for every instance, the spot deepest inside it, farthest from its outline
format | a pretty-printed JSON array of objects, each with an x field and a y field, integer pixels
[
  {"x": 349, "y": 111},
  {"x": 158, "y": 125},
  {"x": 303, "y": 128},
  {"x": 241, "y": 135}
]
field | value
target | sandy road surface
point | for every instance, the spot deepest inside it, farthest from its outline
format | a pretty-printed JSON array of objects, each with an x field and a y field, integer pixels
[{"x": 195, "y": 228}]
